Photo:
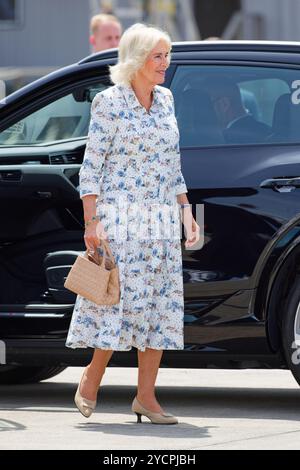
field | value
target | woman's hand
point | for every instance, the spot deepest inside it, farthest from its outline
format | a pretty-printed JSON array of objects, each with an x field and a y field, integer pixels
[
  {"x": 192, "y": 234},
  {"x": 191, "y": 228},
  {"x": 94, "y": 232}
]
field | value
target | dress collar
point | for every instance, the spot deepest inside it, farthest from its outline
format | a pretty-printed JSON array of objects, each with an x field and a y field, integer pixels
[{"x": 133, "y": 102}]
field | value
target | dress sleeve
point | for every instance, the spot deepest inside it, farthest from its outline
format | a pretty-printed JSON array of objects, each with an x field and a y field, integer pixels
[
  {"x": 179, "y": 182},
  {"x": 100, "y": 136}
]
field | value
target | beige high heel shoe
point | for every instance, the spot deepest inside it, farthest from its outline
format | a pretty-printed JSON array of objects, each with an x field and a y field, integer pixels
[
  {"x": 155, "y": 418},
  {"x": 85, "y": 406}
]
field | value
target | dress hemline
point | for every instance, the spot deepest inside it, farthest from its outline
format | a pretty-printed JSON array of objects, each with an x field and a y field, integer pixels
[{"x": 80, "y": 346}]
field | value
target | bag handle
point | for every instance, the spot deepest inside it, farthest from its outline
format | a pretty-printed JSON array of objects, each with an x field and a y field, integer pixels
[{"x": 106, "y": 249}]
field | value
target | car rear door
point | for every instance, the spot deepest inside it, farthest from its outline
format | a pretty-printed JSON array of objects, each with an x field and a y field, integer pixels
[{"x": 249, "y": 191}]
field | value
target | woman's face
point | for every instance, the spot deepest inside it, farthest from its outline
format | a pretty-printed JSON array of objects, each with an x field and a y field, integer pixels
[{"x": 155, "y": 66}]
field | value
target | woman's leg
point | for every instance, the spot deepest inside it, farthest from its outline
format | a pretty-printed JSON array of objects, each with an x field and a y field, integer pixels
[
  {"x": 149, "y": 361},
  {"x": 94, "y": 372}
]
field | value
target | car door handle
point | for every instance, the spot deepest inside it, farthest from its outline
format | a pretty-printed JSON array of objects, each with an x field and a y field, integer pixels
[
  {"x": 43, "y": 194},
  {"x": 282, "y": 185}
]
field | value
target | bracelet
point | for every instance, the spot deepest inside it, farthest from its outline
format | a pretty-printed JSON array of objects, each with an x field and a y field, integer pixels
[
  {"x": 184, "y": 205},
  {"x": 88, "y": 222}
]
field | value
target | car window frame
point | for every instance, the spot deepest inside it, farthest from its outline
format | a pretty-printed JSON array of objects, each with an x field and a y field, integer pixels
[
  {"x": 235, "y": 62},
  {"x": 47, "y": 98}
]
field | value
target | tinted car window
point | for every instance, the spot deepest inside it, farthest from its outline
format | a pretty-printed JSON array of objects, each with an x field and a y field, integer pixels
[
  {"x": 227, "y": 105},
  {"x": 64, "y": 118}
]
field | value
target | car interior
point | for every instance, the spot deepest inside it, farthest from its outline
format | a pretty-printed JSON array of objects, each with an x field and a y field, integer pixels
[
  {"x": 41, "y": 235},
  {"x": 197, "y": 118},
  {"x": 286, "y": 119}
]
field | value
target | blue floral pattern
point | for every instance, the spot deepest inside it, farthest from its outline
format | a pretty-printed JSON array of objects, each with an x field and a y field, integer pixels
[{"x": 132, "y": 161}]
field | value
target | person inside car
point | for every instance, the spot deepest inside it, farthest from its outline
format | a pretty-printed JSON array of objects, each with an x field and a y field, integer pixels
[{"x": 237, "y": 123}]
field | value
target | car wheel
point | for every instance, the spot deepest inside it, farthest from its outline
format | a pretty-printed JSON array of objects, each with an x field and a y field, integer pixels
[
  {"x": 27, "y": 375},
  {"x": 291, "y": 330}
]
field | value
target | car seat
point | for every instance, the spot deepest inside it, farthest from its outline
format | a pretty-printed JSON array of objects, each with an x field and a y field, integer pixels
[{"x": 197, "y": 120}]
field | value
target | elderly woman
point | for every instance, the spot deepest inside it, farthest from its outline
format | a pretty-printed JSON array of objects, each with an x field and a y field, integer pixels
[{"x": 132, "y": 162}]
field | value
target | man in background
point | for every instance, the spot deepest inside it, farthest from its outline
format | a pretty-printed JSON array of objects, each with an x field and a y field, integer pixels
[{"x": 106, "y": 31}]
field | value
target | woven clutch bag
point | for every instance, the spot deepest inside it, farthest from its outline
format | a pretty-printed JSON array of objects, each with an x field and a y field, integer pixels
[{"x": 95, "y": 277}]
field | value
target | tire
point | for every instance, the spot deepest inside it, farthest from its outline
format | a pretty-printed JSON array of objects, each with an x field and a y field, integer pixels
[
  {"x": 13, "y": 375},
  {"x": 291, "y": 330}
]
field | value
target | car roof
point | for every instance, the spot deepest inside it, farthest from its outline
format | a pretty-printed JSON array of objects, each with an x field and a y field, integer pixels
[
  {"x": 207, "y": 45},
  {"x": 210, "y": 46}
]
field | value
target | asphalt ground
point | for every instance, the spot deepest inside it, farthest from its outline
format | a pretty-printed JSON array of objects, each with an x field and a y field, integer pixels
[{"x": 216, "y": 409}]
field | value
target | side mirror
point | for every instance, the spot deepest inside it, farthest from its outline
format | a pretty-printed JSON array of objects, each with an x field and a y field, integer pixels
[{"x": 88, "y": 94}]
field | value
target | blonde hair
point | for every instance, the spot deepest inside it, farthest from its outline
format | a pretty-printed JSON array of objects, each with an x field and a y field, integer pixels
[
  {"x": 134, "y": 47},
  {"x": 98, "y": 20}
]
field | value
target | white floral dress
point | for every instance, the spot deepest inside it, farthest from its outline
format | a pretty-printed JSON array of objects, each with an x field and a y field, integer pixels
[{"x": 132, "y": 163}]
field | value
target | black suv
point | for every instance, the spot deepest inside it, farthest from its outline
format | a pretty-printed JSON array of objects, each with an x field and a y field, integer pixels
[{"x": 242, "y": 288}]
